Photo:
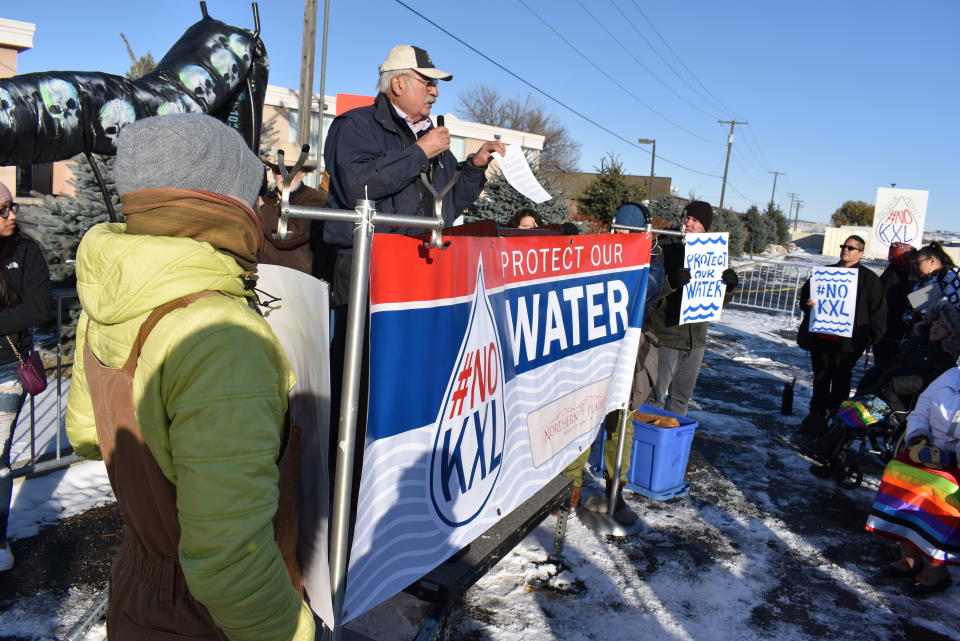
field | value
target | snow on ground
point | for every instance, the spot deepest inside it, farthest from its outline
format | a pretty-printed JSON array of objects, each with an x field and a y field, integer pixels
[
  {"x": 39, "y": 502},
  {"x": 759, "y": 549},
  {"x": 46, "y": 499}
]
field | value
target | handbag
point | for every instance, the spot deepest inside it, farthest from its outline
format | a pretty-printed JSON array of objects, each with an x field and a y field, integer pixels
[{"x": 30, "y": 370}]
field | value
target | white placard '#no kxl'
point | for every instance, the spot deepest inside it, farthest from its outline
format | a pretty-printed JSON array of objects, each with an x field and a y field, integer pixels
[{"x": 834, "y": 293}]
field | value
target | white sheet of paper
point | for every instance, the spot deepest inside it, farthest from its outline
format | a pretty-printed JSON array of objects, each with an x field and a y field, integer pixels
[{"x": 517, "y": 171}]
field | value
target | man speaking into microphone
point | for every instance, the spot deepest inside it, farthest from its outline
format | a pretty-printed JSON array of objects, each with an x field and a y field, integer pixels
[{"x": 379, "y": 152}]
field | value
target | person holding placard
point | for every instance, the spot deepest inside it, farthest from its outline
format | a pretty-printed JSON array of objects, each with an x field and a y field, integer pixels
[
  {"x": 681, "y": 345},
  {"x": 833, "y": 356}
]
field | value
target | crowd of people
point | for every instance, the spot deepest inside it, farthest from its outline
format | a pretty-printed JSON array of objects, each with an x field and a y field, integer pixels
[
  {"x": 180, "y": 386},
  {"x": 910, "y": 314}
]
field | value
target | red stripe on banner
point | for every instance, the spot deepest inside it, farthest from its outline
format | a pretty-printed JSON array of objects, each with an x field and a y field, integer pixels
[{"x": 402, "y": 269}]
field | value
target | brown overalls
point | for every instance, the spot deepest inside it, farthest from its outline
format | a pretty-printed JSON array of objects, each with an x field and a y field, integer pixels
[{"x": 149, "y": 598}]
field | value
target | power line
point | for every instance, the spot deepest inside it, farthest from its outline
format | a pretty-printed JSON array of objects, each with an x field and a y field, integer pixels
[
  {"x": 752, "y": 137},
  {"x": 611, "y": 78},
  {"x": 743, "y": 167},
  {"x": 639, "y": 62},
  {"x": 752, "y": 201},
  {"x": 679, "y": 59},
  {"x": 761, "y": 161},
  {"x": 545, "y": 94}
]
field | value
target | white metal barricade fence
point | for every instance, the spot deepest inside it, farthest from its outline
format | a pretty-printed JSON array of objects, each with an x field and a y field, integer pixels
[
  {"x": 39, "y": 441},
  {"x": 772, "y": 286}
]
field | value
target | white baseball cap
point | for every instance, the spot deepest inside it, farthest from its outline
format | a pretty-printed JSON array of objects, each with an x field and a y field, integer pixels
[{"x": 410, "y": 57}]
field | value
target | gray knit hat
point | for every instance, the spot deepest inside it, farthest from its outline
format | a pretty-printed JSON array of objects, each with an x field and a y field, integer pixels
[{"x": 186, "y": 151}]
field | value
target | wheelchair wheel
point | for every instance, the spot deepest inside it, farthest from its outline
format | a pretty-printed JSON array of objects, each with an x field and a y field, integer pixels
[
  {"x": 899, "y": 445},
  {"x": 848, "y": 476}
]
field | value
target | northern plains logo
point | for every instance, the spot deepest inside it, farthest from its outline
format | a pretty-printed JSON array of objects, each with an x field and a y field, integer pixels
[{"x": 471, "y": 426}]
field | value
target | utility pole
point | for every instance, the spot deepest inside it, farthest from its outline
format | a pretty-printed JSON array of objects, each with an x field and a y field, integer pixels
[
  {"x": 796, "y": 216},
  {"x": 653, "y": 154},
  {"x": 305, "y": 110},
  {"x": 774, "y": 192},
  {"x": 726, "y": 165},
  {"x": 323, "y": 83},
  {"x": 793, "y": 197}
]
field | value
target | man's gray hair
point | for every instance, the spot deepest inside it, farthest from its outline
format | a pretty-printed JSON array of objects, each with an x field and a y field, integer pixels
[{"x": 384, "y": 85}]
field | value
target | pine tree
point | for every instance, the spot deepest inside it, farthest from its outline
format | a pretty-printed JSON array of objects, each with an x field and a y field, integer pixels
[
  {"x": 758, "y": 231},
  {"x": 668, "y": 208},
  {"x": 730, "y": 222},
  {"x": 500, "y": 201},
  {"x": 608, "y": 191},
  {"x": 778, "y": 223},
  {"x": 269, "y": 135}
]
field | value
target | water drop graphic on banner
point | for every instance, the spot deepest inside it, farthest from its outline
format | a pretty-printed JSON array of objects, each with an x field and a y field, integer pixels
[
  {"x": 898, "y": 222},
  {"x": 471, "y": 426}
]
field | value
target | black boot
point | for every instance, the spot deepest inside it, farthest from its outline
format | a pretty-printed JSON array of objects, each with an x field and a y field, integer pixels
[{"x": 814, "y": 425}]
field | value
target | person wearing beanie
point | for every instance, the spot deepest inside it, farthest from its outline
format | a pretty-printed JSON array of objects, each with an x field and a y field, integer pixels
[
  {"x": 304, "y": 250},
  {"x": 681, "y": 346},
  {"x": 898, "y": 280},
  {"x": 182, "y": 389}
]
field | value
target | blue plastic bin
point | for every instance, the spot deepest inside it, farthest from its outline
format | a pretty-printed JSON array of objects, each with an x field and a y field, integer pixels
[{"x": 658, "y": 462}]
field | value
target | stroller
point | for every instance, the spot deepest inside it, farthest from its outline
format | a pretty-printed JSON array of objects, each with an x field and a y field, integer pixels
[{"x": 864, "y": 430}]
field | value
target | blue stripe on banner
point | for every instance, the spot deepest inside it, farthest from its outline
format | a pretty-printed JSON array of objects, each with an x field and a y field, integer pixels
[
  {"x": 420, "y": 345},
  {"x": 548, "y": 321}
]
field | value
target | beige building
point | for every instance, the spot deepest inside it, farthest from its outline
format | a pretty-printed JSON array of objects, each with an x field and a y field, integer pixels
[
  {"x": 15, "y": 36},
  {"x": 833, "y": 237}
]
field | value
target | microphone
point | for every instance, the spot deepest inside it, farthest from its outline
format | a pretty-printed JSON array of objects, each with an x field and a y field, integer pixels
[{"x": 440, "y": 124}]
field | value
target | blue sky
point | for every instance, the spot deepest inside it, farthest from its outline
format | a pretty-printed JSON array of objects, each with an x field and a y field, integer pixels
[{"x": 844, "y": 96}]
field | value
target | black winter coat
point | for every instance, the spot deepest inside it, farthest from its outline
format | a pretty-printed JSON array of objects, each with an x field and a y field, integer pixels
[
  {"x": 28, "y": 273},
  {"x": 869, "y": 322},
  {"x": 897, "y": 283},
  {"x": 371, "y": 150}
]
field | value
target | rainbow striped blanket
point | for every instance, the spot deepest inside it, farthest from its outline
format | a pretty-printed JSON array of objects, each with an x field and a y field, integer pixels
[{"x": 919, "y": 506}]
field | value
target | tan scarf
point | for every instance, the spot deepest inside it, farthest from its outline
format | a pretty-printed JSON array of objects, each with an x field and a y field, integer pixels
[{"x": 225, "y": 222}]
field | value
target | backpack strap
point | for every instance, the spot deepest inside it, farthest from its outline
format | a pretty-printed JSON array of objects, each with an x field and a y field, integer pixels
[{"x": 130, "y": 367}]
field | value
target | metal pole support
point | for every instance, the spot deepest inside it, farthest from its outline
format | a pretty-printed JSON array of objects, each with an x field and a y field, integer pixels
[
  {"x": 349, "y": 408},
  {"x": 604, "y": 523}
]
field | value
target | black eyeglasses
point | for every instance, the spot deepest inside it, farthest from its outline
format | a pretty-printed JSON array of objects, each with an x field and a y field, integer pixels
[
  {"x": 850, "y": 248},
  {"x": 12, "y": 208},
  {"x": 432, "y": 82}
]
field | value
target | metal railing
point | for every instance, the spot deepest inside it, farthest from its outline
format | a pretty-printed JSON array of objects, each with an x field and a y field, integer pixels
[
  {"x": 772, "y": 286},
  {"x": 40, "y": 458}
]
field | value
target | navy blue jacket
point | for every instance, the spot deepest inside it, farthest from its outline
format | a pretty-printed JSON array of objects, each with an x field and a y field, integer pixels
[{"x": 372, "y": 149}]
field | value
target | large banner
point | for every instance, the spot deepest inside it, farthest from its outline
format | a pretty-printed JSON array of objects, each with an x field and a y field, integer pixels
[
  {"x": 899, "y": 216},
  {"x": 706, "y": 256},
  {"x": 492, "y": 364}
]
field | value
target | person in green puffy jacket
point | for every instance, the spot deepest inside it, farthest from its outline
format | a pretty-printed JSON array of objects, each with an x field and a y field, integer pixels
[{"x": 198, "y": 464}]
